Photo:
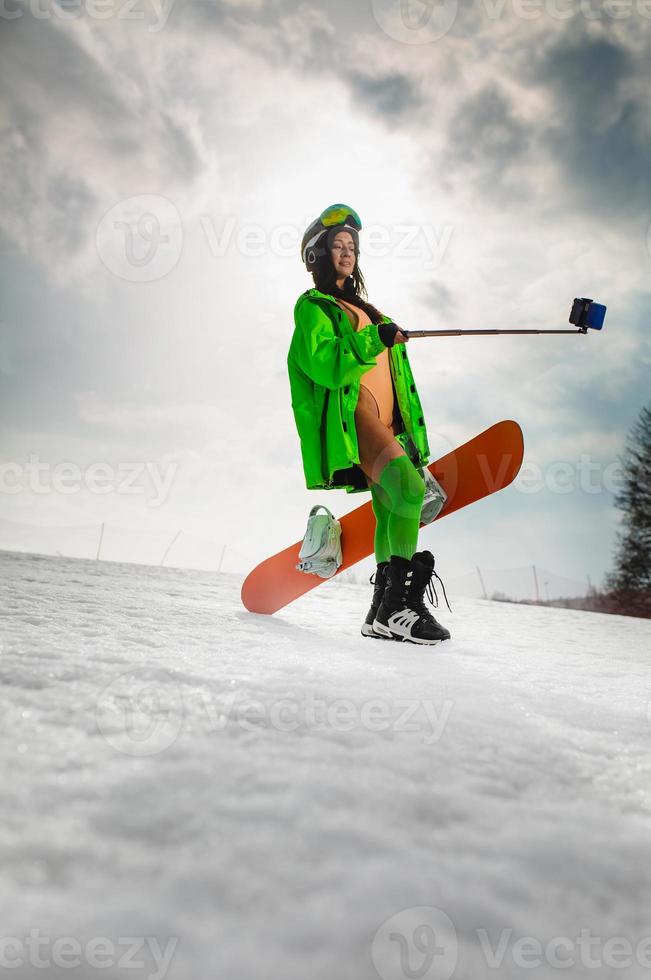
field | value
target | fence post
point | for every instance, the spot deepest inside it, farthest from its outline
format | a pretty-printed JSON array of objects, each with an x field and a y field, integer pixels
[
  {"x": 169, "y": 548},
  {"x": 221, "y": 558},
  {"x": 99, "y": 543}
]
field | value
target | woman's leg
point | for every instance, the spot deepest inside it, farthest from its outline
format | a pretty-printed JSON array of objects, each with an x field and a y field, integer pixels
[
  {"x": 377, "y": 443},
  {"x": 382, "y": 546},
  {"x": 396, "y": 486},
  {"x": 401, "y": 490}
]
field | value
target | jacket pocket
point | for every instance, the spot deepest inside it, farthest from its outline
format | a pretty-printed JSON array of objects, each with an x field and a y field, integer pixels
[{"x": 347, "y": 402}]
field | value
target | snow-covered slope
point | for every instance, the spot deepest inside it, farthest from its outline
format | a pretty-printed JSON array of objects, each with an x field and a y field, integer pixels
[{"x": 260, "y": 795}]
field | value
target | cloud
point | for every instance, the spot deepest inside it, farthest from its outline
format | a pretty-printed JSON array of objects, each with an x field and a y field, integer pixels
[
  {"x": 438, "y": 295},
  {"x": 391, "y": 96},
  {"x": 74, "y": 142},
  {"x": 601, "y": 134},
  {"x": 485, "y": 135},
  {"x": 260, "y": 110},
  {"x": 305, "y": 37},
  {"x": 287, "y": 34}
]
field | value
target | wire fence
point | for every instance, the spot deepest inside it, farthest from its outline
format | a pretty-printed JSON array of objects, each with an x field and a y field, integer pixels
[
  {"x": 112, "y": 543},
  {"x": 183, "y": 549},
  {"x": 528, "y": 583}
]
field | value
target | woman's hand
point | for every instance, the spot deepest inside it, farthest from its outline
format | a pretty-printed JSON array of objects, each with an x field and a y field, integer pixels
[{"x": 390, "y": 334}]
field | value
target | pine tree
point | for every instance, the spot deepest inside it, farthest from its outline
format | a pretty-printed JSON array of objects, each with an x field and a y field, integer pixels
[{"x": 631, "y": 578}]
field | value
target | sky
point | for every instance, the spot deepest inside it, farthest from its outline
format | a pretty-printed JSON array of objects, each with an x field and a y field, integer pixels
[{"x": 160, "y": 160}]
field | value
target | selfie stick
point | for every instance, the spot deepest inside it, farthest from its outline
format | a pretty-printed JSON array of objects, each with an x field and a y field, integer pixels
[{"x": 585, "y": 314}]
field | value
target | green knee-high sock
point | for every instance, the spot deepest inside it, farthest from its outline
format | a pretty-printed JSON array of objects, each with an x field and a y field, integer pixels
[
  {"x": 382, "y": 513},
  {"x": 401, "y": 490}
]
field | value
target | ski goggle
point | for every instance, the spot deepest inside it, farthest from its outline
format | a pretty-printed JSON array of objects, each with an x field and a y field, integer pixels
[{"x": 340, "y": 214}]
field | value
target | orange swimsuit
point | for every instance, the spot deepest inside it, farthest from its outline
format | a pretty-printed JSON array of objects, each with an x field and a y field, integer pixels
[{"x": 377, "y": 381}]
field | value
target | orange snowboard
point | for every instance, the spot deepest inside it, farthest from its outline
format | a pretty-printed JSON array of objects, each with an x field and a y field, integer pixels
[{"x": 486, "y": 464}]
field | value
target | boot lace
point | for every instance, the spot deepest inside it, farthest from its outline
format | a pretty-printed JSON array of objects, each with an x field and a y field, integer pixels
[
  {"x": 431, "y": 592},
  {"x": 432, "y": 595},
  {"x": 378, "y": 587}
]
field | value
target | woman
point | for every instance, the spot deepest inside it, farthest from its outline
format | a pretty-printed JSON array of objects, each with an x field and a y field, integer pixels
[{"x": 360, "y": 420}]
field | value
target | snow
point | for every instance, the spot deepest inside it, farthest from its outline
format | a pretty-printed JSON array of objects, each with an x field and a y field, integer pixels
[{"x": 255, "y": 797}]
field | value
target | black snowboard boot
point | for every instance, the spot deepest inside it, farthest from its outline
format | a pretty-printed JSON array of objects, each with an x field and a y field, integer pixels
[
  {"x": 380, "y": 582},
  {"x": 403, "y": 614}
]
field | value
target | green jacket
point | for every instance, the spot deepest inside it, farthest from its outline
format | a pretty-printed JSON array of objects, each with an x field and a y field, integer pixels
[{"x": 327, "y": 359}]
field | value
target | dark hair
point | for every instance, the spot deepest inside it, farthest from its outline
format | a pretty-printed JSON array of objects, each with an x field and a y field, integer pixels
[{"x": 354, "y": 291}]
